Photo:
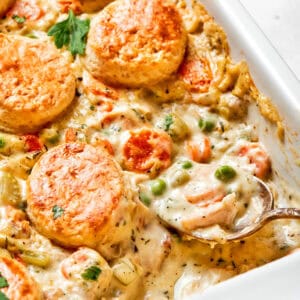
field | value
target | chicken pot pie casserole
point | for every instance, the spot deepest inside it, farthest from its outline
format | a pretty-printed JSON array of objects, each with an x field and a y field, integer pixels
[{"x": 120, "y": 121}]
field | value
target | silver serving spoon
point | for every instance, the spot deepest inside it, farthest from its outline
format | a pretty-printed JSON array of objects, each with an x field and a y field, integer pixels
[{"x": 268, "y": 214}]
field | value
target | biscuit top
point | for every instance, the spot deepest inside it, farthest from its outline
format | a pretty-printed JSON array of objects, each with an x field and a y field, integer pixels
[
  {"x": 33, "y": 73},
  {"x": 148, "y": 25}
]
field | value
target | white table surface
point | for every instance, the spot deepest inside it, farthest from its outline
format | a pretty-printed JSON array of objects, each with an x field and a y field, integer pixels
[{"x": 280, "y": 21}]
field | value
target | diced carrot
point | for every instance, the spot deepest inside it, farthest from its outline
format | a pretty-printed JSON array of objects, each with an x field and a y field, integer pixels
[
  {"x": 147, "y": 151},
  {"x": 98, "y": 88},
  {"x": 73, "y": 5},
  {"x": 124, "y": 121},
  {"x": 206, "y": 198},
  {"x": 27, "y": 9},
  {"x": 221, "y": 212},
  {"x": 32, "y": 143},
  {"x": 105, "y": 144},
  {"x": 196, "y": 73},
  {"x": 106, "y": 106},
  {"x": 70, "y": 135},
  {"x": 199, "y": 151},
  {"x": 258, "y": 156}
]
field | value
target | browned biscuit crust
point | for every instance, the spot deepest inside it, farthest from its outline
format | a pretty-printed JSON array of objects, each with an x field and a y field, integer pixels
[
  {"x": 135, "y": 42},
  {"x": 36, "y": 83}
]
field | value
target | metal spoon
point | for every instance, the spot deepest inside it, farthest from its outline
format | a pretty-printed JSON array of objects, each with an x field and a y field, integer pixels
[{"x": 268, "y": 214}]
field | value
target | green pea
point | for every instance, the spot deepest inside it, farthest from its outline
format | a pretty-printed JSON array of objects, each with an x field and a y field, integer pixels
[
  {"x": 186, "y": 164},
  {"x": 225, "y": 173},
  {"x": 180, "y": 177},
  {"x": 53, "y": 139},
  {"x": 158, "y": 186},
  {"x": 206, "y": 125},
  {"x": 145, "y": 198}
]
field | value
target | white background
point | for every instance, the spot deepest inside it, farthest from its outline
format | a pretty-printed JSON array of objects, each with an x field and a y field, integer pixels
[{"x": 280, "y": 21}]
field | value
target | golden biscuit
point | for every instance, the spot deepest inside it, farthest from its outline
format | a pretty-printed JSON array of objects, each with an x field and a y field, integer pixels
[
  {"x": 93, "y": 5},
  {"x": 5, "y": 5},
  {"x": 20, "y": 283},
  {"x": 36, "y": 83},
  {"x": 74, "y": 194},
  {"x": 135, "y": 43}
]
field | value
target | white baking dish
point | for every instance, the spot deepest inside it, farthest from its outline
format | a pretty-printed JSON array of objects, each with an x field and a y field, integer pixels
[{"x": 280, "y": 279}]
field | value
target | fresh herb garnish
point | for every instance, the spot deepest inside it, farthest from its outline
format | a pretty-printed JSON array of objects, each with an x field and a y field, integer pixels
[
  {"x": 19, "y": 20},
  {"x": 168, "y": 122},
  {"x": 91, "y": 273},
  {"x": 57, "y": 211},
  {"x": 3, "y": 296},
  {"x": 3, "y": 282},
  {"x": 71, "y": 32}
]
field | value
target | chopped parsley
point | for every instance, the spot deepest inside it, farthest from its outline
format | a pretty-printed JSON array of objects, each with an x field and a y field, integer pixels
[
  {"x": 19, "y": 20},
  {"x": 57, "y": 211},
  {"x": 91, "y": 273},
  {"x": 3, "y": 296},
  {"x": 3, "y": 282},
  {"x": 168, "y": 122},
  {"x": 71, "y": 32}
]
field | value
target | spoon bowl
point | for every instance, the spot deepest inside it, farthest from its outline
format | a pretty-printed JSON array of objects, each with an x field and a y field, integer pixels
[{"x": 267, "y": 214}]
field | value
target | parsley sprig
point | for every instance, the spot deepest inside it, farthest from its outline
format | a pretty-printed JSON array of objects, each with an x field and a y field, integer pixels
[
  {"x": 71, "y": 32},
  {"x": 3, "y": 296},
  {"x": 168, "y": 122},
  {"x": 57, "y": 211},
  {"x": 19, "y": 20},
  {"x": 91, "y": 273},
  {"x": 3, "y": 284}
]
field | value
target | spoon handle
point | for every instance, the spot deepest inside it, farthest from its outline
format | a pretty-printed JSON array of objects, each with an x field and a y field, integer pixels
[{"x": 281, "y": 213}]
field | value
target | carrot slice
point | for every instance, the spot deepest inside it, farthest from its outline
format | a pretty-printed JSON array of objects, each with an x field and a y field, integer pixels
[
  {"x": 258, "y": 156},
  {"x": 32, "y": 143},
  {"x": 196, "y": 73},
  {"x": 147, "y": 151},
  {"x": 73, "y": 5},
  {"x": 199, "y": 151}
]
